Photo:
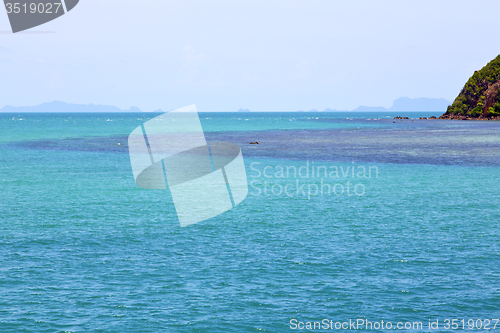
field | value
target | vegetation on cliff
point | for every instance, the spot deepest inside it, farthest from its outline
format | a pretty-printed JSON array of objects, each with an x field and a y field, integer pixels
[{"x": 480, "y": 97}]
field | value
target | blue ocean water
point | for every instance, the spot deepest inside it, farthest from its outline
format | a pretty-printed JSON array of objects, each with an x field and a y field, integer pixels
[{"x": 349, "y": 216}]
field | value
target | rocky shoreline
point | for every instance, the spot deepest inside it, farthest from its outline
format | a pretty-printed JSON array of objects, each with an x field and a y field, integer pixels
[
  {"x": 452, "y": 117},
  {"x": 466, "y": 117}
]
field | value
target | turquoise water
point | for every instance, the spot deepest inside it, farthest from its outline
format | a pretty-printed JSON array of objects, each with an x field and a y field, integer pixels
[
  {"x": 33, "y": 126},
  {"x": 83, "y": 249}
]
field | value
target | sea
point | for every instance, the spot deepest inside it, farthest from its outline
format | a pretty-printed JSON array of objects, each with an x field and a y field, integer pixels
[{"x": 353, "y": 221}]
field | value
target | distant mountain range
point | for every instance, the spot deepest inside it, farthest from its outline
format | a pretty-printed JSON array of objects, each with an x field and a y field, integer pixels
[
  {"x": 57, "y": 106},
  {"x": 401, "y": 104},
  {"x": 405, "y": 104}
]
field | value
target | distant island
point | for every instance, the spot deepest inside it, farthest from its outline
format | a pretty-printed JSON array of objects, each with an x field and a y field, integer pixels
[
  {"x": 57, "y": 106},
  {"x": 480, "y": 97},
  {"x": 403, "y": 104}
]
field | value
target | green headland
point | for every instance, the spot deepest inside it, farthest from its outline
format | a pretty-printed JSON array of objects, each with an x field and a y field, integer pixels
[{"x": 480, "y": 97}]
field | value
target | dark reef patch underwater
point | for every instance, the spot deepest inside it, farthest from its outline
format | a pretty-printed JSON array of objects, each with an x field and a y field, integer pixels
[{"x": 406, "y": 142}]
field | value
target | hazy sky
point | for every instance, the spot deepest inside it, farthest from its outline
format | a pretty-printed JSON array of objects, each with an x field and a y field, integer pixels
[{"x": 261, "y": 55}]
